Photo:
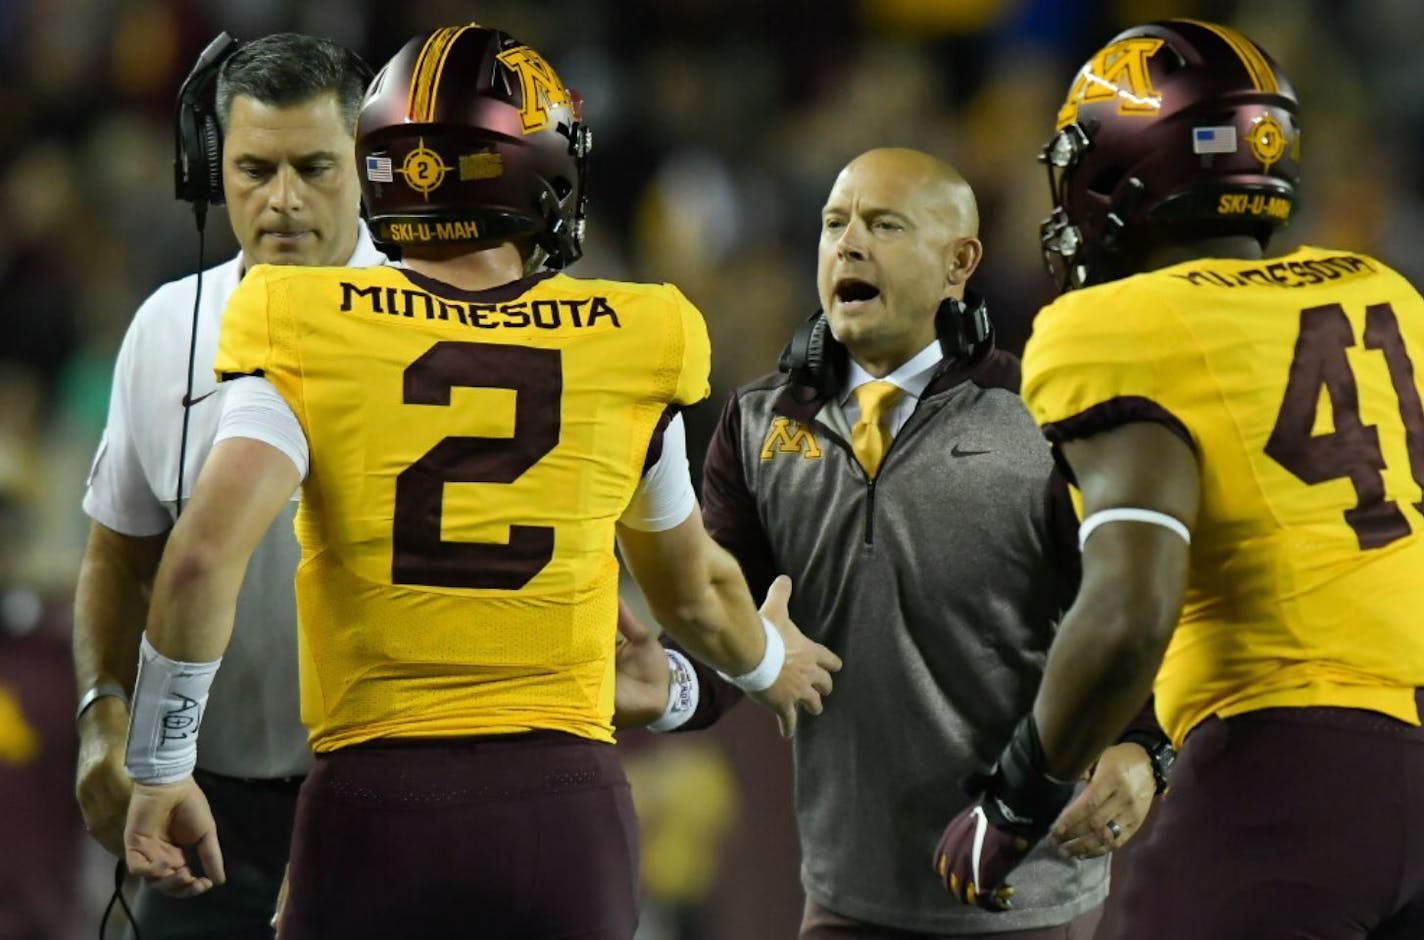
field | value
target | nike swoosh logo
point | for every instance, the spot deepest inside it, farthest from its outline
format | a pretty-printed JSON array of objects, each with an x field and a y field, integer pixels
[
  {"x": 957, "y": 452},
  {"x": 190, "y": 402}
]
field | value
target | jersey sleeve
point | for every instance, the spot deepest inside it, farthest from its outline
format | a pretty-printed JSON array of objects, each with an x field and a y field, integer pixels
[
  {"x": 664, "y": 497},
  {"x": 254, "y": 409},
  {"x": 693, "y": 383},
  {"x": 1110, "y": 356},
  {"x": 245, "y": 343}
]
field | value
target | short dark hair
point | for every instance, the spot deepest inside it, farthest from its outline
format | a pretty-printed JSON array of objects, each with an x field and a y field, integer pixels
[{"x": 289, "y": 68}]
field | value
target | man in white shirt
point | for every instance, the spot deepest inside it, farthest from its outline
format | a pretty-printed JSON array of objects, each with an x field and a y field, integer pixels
[{"x": 286, "y": 105}]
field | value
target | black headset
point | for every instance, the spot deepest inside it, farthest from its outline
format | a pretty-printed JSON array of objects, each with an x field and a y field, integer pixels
[
  {"x": 197, "y": 134},
  {"x": 815, "y": 358}
]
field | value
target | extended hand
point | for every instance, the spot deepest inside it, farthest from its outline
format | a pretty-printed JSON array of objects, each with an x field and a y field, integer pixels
[
  {"x": 1111, "y": 807},
  {"x": 806, "y": 675},
  {"x": 163, "y": 819},
  {"x": 640, "y": 692}
]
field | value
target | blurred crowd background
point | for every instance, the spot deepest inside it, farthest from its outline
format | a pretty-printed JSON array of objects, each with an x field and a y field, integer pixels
[{"x": 719, "y": 128}]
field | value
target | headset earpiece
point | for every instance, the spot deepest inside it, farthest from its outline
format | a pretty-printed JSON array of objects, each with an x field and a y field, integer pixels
[
  {"x": 963, "y": 326},
  {"x": 211, "y": 145},
  {"x": 197, "y": 165},
  {"x": 813, "y": 356}
]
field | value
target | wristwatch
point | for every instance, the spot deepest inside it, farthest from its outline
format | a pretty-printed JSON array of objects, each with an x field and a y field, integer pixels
[
  {"x": 1160, "y": 754},
  {"x": 97, "y": 691}
]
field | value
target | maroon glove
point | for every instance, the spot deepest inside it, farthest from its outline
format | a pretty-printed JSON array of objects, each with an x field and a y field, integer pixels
[
  {"x": 987, "y": 841},
  {"x": 974, "y": 857}
]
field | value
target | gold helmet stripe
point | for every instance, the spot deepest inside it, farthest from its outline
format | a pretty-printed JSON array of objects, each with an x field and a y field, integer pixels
[
  {"x": 428, "y": 66},
  {"x": 1262, "y": 75}
]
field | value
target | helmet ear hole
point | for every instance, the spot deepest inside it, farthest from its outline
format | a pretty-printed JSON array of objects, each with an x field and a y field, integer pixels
[{"x": 562, "y": 187}]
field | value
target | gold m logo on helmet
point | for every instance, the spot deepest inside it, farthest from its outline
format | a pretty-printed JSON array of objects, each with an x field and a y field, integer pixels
[
  {"x": 790, "y": 437},
  {"x": 1117, "y": 71},
  {"x": 541, "y": 88}
]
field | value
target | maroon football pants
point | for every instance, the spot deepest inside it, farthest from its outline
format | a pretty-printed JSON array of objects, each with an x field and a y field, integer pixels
[
  {"x": 1285, "y": 823},
  {"x": 526, "y": 836}
]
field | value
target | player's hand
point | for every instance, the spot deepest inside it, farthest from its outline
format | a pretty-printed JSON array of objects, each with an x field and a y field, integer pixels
[
  {"x": 1112, "y": 807},
  {"x": 643, "y": 680},
  {"x": 163, "y": 820},
  {"x": 101, "y": 784},
  {"x": 1015, "y": 806},
  {"x": 806, "y": 675},
  {"x": 975, "y": 857}
]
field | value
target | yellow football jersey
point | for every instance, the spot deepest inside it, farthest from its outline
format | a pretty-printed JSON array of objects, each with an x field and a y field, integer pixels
[
  {"x": 1294, "y": 379},
  {"x": 470, "y": 454}
]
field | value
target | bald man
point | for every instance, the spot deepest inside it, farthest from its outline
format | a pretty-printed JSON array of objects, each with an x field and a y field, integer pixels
[{"x": 892, "y": 471}]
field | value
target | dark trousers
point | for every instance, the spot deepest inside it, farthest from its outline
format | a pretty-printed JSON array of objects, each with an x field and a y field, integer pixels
[
  {"x": 817, "y": 923},
  {"x": 254, "y": 819},
  {"x": 1285, "y": 823},
  {"x": 526, "y": 836}
]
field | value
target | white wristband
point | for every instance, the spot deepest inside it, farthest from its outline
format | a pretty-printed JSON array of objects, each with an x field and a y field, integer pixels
[
  {"x": 682, "y": 694},
  {"x": 168, "y": 702},
  {"x": 766, "y": 672}
]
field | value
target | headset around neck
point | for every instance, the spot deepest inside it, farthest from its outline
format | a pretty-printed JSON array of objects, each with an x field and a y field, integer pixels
[{"x": 813, "y": 357}]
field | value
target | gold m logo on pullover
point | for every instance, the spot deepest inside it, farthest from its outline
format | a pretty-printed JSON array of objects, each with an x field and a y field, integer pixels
[{"x": 790, "y": 437}]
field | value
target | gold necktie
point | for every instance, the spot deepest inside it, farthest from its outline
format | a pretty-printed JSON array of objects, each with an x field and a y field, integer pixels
[{"x": 871, "y": 435}]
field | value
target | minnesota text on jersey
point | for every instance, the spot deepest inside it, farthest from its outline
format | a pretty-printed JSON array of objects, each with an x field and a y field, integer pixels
[{"x": 544, "y": 314}]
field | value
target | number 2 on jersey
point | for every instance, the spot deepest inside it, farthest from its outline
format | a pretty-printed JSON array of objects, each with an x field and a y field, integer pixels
[
  {"x": 420, "y": 555},
  {"x": 1353, "y": 449}
]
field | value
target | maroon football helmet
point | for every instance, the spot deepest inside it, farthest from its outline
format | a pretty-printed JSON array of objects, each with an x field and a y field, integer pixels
[
  {"x": 1178, "y": 128},
  {"x": 468, "y": 136}
]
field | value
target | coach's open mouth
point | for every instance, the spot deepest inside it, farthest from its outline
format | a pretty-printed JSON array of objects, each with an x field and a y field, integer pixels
[{"x": 852, "y": 290}]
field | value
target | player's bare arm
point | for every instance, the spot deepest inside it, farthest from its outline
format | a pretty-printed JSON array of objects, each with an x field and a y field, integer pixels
[
  {"x": 244, "y": 484},
  {"x": 697, "y": 592},
  {"x": 1102, "y": 662},
  {"x": 1106, "y": 654},
  {"x": 110, "y": 606}
]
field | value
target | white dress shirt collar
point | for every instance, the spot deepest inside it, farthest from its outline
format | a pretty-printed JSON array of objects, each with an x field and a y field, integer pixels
[{"x": 912, "y": 377}]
